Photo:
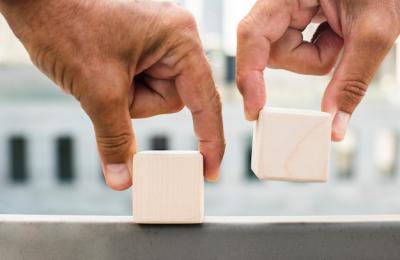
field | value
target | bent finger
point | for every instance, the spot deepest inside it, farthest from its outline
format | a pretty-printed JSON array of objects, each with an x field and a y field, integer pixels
[
  {"x": 155, "y": 97},
  {"x": 198, "y": 91},
  {"x": 363, "y": 53},
  {"x": 318, "y": 57}
]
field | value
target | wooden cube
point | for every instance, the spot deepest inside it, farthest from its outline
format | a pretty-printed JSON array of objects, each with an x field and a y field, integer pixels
[
  {"x": 291, "y": 145},
  {"x": 168, "y": 187}
]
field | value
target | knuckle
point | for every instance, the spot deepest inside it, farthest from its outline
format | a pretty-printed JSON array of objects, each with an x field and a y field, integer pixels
[
  {"x": 183, "y": 19},
  {"x": 215, "y": 102},
  {"x": 185, "y": 29},
  {"x": 104, "y": 90},
  {"x": 108, "y": 98},
  {"x": 211, "y": 103},
  {"x": 352, "y": 94},
  {"x": 101, "y": 101},
  {"x": 177, "y": 106},
  {"x": 115, "y": 147},
  {"x": 377, "y": 38},
  {"x": 243, "y": 29}
]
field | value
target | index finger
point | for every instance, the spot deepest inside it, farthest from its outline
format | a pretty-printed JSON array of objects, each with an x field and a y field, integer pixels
[
  {"x": 198, "y": 92},
  {"x": 266, "y": 23}
]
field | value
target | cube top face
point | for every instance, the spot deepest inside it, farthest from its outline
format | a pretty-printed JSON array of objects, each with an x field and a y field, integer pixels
[
  {"x": 293, "y": 112},
  {"x": 168, "y": 187},
  {"x": 292, "y": 145}
]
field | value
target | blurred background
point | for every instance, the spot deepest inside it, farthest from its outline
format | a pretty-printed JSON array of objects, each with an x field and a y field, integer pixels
[{"x": 49, "y": 162}]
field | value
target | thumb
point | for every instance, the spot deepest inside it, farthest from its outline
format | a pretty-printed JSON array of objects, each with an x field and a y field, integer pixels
[
  {"x": 361, "y": 58},
  {"x": 108, "y": 107}
]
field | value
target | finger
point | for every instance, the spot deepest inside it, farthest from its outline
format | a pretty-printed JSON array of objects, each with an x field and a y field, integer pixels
[
  {"x": 363, "y": 53},
  {"x": 154, "y": 97},
  {"x": 318, "y": 57},
  {"x": 265, "y": 24},
  {"x": 197, "y": 90},
  {"x": 107, "y": 106}
]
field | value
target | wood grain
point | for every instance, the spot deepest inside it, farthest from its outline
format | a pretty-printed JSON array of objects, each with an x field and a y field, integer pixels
[
  {"x": 291, "y": 145},
  {"x": 168, "y": 187}
]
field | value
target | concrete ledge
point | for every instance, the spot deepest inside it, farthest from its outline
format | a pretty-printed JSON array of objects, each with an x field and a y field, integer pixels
[{"x": 86, "y": 237}]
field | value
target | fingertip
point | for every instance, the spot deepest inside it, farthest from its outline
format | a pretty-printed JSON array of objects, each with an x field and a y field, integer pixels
[
  {"x": 339, "y": 126},
  {"x": 118, "y": 176},
  {"x": 212, "y": 169},
  {"x": 213, "y": 178},
  {"x": 251, "y": 116},
  {"x": 253, "y": 108},
  {"x": 336, "y": 138},
  {"x": 213, "y": 153},
  {"x": 212, "y": 165}
]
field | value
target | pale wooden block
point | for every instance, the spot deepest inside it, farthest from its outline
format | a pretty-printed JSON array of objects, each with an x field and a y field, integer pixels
[
  {"x": 168, "y": 187},
  {"x": 291, "y": 145}
]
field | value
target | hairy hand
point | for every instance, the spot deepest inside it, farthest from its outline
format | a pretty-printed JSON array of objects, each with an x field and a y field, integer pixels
[
  {"x": 271, "y": 36},
  {"x": 123, "y": 60}
]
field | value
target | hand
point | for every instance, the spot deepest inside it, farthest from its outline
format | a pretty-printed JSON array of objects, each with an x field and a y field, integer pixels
[
  {"x": 270, "y": 36},
  {"x": 123, "y": 60}
]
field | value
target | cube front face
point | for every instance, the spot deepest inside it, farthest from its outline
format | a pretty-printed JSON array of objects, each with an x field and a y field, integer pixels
[
  {"x": 291, "y": 145},
  {"x": 168, "y": 187}
]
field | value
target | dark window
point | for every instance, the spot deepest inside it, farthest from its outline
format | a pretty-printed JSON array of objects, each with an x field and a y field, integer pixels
[
  {"x": 18, "y": 161},
  {"x": 159, "y": 142},
  {"x": 249, "y": 172},
  {"x": 230, "y": 69},
  {"x": 65, "y": 159}
]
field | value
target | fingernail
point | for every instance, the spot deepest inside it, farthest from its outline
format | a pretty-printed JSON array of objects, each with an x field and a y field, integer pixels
[
  {"x": 117, "y": 174},
  {"x": 340, "y": 124},
  {"x": 213, "y": 178},
  {"x": 249, "y": 116}
]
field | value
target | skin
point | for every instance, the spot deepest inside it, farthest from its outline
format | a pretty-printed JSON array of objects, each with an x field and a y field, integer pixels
[
  {"x": 270, "y": 36},
  {"x": 122, "y": 60}
]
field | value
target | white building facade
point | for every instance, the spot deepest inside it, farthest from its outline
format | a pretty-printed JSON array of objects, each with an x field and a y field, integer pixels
[{"x": 49, "y": 162}]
